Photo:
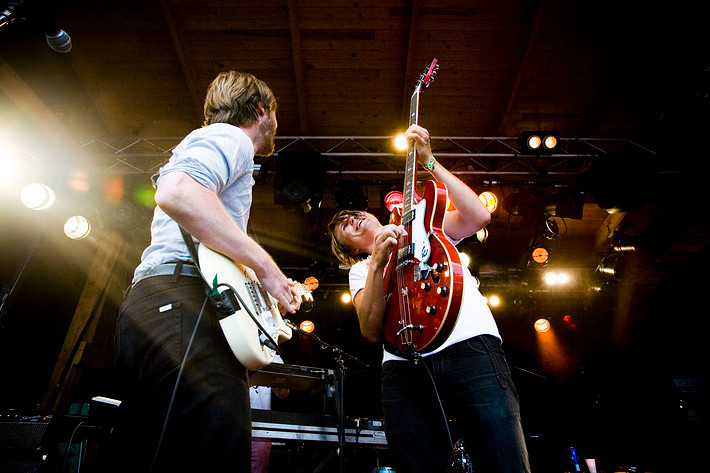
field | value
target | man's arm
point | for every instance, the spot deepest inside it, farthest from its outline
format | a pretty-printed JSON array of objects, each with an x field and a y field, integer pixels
[
  {"x": 199, "y": 211},
  {"x": 470, "y": 214},
  {"x": 370, "y": 301}
]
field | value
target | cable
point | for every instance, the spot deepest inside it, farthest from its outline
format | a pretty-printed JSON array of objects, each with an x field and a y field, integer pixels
[
  {"x": 177, "y": 382},
  {"x": 271, "y": 342},
  {"x": 443, "y": 412},
  {"x": 71, "y": 439}
]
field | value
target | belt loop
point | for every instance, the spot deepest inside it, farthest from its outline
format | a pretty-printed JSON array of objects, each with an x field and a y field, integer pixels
[{"x": 178, "y": 270}]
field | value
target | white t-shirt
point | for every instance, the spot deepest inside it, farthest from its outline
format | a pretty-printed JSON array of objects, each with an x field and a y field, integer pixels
[
  {"x": 475, "y": 318},
  {"x": 218, "y": 156}
]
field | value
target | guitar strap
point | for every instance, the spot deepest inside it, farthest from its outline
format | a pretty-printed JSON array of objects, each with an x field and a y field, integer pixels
[
  {"x": 225, "y": 303},
  {"x": 190, "y": 245}
]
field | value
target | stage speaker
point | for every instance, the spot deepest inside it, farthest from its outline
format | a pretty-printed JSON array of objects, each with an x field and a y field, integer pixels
[{"x": 22, "y": 442}]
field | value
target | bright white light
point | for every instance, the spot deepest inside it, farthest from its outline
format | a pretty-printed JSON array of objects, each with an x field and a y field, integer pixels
[
  {"x": 345, "y": 297},
  {"x": 465, "y": 260},
  {"x": 400, "y": 142},
  {"x": 552, "y": 278},
  {"x": 77, "y": 227},
  {"x": 37, "y": 196},
  {"x": 550, "y": 142},
  {"x": 542, "y": 325},
  {"x": 8, "y": 169},
  {"x": 494, "y": 301}
]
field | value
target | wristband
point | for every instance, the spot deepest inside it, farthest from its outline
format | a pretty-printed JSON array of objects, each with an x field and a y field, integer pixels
[{"x": 430, "y": 165}]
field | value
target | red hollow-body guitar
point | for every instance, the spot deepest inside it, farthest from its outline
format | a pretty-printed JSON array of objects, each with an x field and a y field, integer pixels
[{"x": 424, "y": 278}]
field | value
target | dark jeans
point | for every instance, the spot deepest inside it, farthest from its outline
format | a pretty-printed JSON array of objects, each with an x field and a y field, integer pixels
[
  {"x": 474, "y": 383},
  {"x": 209, "y": 426}
]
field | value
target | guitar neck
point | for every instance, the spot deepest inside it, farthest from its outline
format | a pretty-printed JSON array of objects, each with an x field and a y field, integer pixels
[{"x": 410, "y": 170}]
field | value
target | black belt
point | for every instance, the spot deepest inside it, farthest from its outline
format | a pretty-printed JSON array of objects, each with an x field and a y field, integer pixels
[{"x": 181, "y": 268}]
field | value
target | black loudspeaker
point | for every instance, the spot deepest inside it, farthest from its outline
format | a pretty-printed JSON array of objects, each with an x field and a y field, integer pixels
[{"x": 22, "y": 442}]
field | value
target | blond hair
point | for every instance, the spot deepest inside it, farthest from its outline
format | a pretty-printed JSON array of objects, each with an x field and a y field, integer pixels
[
  {"x": 342, "y": 251},
  {"x": 235, "y": 97}
]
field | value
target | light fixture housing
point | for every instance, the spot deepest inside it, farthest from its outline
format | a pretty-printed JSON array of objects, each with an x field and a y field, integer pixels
[{"x": 539, "y": 142}]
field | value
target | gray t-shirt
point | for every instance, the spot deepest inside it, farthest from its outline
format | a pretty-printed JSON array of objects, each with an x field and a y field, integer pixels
[{"x": 218, "y": 156}]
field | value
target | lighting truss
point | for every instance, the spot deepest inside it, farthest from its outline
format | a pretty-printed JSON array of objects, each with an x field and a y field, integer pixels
[{"x": 365, "y": 157}]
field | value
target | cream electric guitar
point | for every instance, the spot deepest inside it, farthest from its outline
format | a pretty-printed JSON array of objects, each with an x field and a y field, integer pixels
[{"x": 253, "y": 347}]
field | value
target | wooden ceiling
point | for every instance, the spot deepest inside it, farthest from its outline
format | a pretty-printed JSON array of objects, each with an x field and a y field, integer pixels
[{"x": 134, "y": 81}]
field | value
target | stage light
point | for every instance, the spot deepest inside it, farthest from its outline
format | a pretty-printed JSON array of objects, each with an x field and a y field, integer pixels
[
  {"x": 394, "y": 199},
  {"x": 307, "y": 326},
  {"x": 539, "y": 142},
  {"x": 569, "y": 321},
  {"x": 489, "y": 200},
  {"x": 542, "y": 325},
  {"x": 400, "y": 142},
  {"x": 77, "y": 227},
  {"x": 540, "y": 255},
  {"x": 37, "y": 196},
  {"x": 465, "y": 260},
  {"x": 299, "y": 179},
  {"x": 553, "y": 278},
  {"x": 345, "y": 297},
  {"x": 494, "y": 301},
  {"x": 482, "y": 235}
]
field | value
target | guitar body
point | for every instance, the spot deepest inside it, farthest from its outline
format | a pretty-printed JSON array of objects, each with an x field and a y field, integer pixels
[
  {"x": 423, "y": 280},
  {"x": 244, "y": 337}
]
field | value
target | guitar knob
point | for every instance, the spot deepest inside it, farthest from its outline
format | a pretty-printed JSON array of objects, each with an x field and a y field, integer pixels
[
  {"x": 438, "y": 267},
  {"x": 426, "y": 286},
  {"x": 431, "y": 310},
  {"x": 442, "y": 290}
]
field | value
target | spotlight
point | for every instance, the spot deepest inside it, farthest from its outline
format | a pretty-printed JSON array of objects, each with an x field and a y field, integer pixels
[
  {"x": 482, "y": 235},
  {"x": 489, "y": 200},
  {"x": 465, "y": 260},
  {"x": 542, "y": 325},
  {"x": 299, "y": 179},
  {"x": 540, "y": 255},
  {"x": 307, "y": 326},
  {"x": 400, "y": 142},
  {"x": 77, "y": 227},
  {"x": 37, "y": 196},
  {"x": 539, "y": 142},
  {"x": 345, "y": 297}
]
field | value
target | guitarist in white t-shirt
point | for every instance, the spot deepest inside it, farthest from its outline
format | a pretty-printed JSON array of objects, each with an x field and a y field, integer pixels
[{"x": 466, "y": 371}]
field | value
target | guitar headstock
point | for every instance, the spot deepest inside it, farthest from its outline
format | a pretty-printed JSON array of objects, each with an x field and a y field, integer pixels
[{"x": 427, "y": 77}]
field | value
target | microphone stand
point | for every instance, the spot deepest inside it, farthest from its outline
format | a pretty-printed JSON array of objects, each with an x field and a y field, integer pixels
[{"x": 341, "y": 358}]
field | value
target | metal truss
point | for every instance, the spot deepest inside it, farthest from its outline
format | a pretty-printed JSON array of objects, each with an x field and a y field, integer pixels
[{"x": 368, "y": 157}]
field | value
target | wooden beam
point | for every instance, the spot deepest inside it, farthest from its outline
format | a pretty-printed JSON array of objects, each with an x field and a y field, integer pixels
[
  {"x": 83, "y": 325},
  {"x": 187, "y": 69},
  {"x": 298, "y": 65},
  {"x": 407, "y": 87},
  {"x": 504, "y": 118}
]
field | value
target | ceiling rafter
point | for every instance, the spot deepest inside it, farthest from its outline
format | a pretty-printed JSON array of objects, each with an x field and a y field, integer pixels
[
  {"x": 408, "y": 68},
  {"x": 298, "y": 66},
  {"x": 531, "y": 38},
  {"x": 186, "y": 66}
]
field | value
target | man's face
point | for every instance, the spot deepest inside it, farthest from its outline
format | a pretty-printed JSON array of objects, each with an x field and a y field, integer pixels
[
  {"x": 267, "y": 132},
  {"x": 358, "y": 231}
]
